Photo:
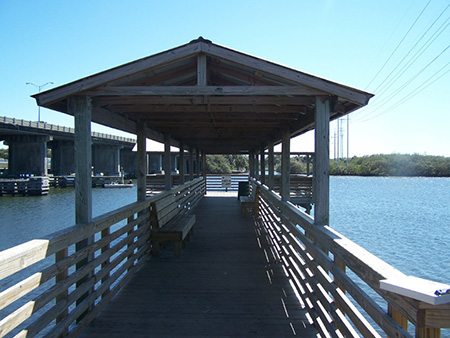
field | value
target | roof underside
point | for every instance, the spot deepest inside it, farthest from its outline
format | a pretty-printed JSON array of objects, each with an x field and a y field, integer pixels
[{"x": 209, "y": 97}]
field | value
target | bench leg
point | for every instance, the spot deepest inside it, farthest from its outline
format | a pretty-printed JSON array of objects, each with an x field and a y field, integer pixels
[
  {"x": 177, "y": 248},
  {"x": 155, "y": 248}
]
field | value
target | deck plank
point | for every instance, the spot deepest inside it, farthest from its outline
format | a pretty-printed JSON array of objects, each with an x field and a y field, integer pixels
[{"x": 219, "y": 287}]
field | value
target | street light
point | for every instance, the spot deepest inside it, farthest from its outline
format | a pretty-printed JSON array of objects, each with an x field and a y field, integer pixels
[{"x": 39, "y": 90}]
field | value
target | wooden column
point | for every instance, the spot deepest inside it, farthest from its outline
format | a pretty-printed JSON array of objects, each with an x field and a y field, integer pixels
[
  {"x": 141, "y": 162},
  {"x": 285, "y": 164},
  {"x": 271, "y": 167},
  {"x": 181, "y": 165},
  {"x": 167, "y": 163},
  {"x": 80, "y": 107},
  {"x": 191, "y": 163},
  {"x": 256, "y": 166},
  {"x": 251, "y": 164},
  {"x": 321, "y": 180},
  {"x": 197, "y": 162},
  {"x": 205, "y": 175},
  {"x": 263, "y": 165}
]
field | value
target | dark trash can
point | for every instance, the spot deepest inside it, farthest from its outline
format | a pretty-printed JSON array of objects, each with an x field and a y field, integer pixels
[{"x": 243, "y": 189}]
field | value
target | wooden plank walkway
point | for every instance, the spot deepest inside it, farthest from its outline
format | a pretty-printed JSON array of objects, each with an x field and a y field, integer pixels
[{"x": 223, "y": 286}]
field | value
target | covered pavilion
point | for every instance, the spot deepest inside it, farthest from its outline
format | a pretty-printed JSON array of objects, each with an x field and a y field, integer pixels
[{"x": 209, "y": 99}]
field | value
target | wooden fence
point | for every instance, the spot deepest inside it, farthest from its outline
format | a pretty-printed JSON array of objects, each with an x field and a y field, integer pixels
[
  {"x": 338, "y": 281},
  {"x": 62, "y": 289}
]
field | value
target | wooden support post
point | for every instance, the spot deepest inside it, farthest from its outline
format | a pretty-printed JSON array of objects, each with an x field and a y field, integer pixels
[
  {"x": 263, "y": 165},
  {"x": 141, "y": 162},
  {"x": 321, "y": 180},
  {"x": 205, "y": 175},
  {"x": 181, "y": 164},
  {"x": 191, "y": 163},
  {"x": 81, "y": 108},
  {"x": 308, "y": 164},
  {"x": 271, "y": 167},
  {"x": 424, "y": 331},
  {"x": 257, "y": 166},
  {"x": 398, "y": 317},
  {"x": 197, "y": 162},
  {"x": 251, "y": 164},
  {"x": 285, "y": 185},
  {"x": 167, "y": 163}
]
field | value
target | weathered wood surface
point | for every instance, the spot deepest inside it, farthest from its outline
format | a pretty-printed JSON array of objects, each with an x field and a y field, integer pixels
[{"x": 224, "y": 285}]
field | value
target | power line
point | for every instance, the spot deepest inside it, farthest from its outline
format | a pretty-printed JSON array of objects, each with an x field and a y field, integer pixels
[{"x": 399, "y": 44}]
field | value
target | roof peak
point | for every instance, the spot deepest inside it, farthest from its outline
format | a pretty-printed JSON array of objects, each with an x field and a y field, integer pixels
[{"x": 201, "y": 39}]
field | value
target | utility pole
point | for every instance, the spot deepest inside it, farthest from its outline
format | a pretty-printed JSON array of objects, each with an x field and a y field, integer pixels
[
  {"x": 337, "y": 143},
  {"x": 348, "y": 139}
]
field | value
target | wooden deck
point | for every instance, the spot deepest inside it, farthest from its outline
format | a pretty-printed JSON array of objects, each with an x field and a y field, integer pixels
[{"x": 224, "y": 285}]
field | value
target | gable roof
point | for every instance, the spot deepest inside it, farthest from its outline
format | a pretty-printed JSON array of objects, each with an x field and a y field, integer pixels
[{"x": 208, "y": 96}]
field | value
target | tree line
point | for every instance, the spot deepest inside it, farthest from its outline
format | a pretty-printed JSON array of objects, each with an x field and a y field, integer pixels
[
  {"x": 393, "y": 165},
  {"x": 370, "y": 165}
]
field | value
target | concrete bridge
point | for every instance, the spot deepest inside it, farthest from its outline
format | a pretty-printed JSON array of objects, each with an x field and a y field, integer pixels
[{"x": 28, "y": 142}]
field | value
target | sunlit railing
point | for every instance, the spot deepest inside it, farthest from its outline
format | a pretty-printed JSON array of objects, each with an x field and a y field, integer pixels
[
  {"x": 338, "y": 281},
  {"x": 50, "y": 287}
]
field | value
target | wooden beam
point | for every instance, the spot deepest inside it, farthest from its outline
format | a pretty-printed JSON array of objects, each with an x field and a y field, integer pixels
[
  {"x": 321, "y": 180},
  {"x": 202, "y": 100},
  {"x": 203, "y": 90},
  {"x": 285, "y": 164},
  {"x": 351, "y": 94},
  {"x": 141, "y": 162},
  {"x": 49, "y": 96}
]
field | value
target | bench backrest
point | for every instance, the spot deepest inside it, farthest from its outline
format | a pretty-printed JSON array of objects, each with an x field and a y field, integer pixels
[{"x": 164, "y": 210}]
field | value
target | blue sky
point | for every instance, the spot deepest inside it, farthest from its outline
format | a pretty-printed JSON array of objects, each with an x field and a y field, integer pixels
[{"x": 357, "y": 43}]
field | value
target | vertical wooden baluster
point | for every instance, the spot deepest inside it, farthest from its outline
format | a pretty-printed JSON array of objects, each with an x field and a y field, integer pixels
[
  {"x": 105, "y": 233},
  {"x": 59, "y": 256}
]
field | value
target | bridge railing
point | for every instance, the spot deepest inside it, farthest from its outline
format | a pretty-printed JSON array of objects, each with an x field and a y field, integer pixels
[
  {"x": 62, "y": 129},
  {"x": 51, "y": 287},
  {"x": 338, "y": 281}
]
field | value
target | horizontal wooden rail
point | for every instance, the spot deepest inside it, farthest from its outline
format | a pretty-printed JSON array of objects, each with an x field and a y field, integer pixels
[
  {"x": 322, "y": 266},
  {"x": 46, "y": 291}
]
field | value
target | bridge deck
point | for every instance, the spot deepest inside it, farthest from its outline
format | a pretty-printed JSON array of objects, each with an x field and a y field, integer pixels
[{"x": 223, "y": 285}]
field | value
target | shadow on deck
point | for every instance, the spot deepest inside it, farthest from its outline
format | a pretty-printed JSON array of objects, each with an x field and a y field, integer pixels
[{"x": 225, "y": 284}]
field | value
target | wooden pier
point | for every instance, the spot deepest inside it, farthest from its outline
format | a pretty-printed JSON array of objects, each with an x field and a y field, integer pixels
[
  {"x": 280, "y": 273},
  {"x": 227, "y": 283}
]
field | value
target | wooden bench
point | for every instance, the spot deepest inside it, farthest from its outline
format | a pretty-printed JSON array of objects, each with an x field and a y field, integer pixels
[
  {"x": 250, "y": 202},
  {"x": 170, "y": 222}
]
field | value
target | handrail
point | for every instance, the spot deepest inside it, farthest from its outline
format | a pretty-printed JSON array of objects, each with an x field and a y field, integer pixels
[
  {"x": 36, "y": 291},
  {"x": 322, "y": 264}
]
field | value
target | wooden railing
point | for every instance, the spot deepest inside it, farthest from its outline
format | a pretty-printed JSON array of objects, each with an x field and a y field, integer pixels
[
  {"x": 338, "y": 281},
  {"x": 50, "y": 288}
]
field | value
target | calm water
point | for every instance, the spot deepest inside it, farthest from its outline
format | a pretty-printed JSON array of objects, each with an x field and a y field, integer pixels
[{"x": 404, "y": 221}]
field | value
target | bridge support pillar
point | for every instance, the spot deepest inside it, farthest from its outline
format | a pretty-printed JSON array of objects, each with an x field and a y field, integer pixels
[
  {"x": 63, "y": 157},
  {"x": 27, "y": 154},
  {"x": 106, "y": 159}
]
